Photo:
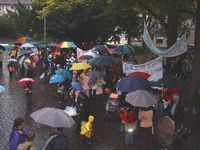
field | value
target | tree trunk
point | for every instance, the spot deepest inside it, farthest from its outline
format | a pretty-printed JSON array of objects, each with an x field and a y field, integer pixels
[
  {"x": 196, "y": 60},
  {"x": 172, "y": 33},
  {"x": 172, "y": 29},
  {"x": 129, "y": 39}
]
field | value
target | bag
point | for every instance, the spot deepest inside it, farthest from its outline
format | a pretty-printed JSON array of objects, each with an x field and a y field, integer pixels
[{"x": 127, "y": 116}]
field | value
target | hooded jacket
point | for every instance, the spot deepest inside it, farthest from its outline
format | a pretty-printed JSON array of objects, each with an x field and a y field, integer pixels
[{"x": 87, "y": 129}]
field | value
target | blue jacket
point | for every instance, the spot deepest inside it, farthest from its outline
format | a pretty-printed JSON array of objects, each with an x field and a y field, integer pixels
[
  {"x": 59, "y": 142},
  {"x": 16, "y": 138}
]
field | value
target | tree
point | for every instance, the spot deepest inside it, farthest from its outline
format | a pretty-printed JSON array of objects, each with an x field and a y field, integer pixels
[
  {"x": 25, "y": 22},
  {"x": 196, "y": 60},
  {"x": 170, "y": 14}
]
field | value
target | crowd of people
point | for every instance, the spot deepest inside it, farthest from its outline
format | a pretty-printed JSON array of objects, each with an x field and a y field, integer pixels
[{"x": 83, "y": 87}]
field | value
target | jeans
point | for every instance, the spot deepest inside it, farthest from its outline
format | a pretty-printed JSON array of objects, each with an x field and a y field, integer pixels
[{"x": 129, "y": 137}]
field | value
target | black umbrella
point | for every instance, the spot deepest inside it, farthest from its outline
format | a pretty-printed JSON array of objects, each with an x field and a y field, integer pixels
[{"x": 103, "y": 61}]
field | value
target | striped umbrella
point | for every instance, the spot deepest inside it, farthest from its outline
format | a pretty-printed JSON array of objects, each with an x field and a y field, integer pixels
[
  {"x": 66, "y": 44},
  {"x": 24, "y": 39}
]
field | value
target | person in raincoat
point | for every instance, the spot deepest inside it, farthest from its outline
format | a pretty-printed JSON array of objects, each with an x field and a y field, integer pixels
[
  {"x": 87, "y": 129},
  {"x": 18, "y": 134}
]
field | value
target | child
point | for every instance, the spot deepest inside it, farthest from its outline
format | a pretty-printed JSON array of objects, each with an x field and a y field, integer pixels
[{"x": 87, "y": 129}]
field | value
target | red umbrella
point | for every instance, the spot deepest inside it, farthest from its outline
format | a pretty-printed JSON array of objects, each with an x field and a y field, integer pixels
[
  {"x": 143, "y": 74},
  {"x": 26, "y": 80}
]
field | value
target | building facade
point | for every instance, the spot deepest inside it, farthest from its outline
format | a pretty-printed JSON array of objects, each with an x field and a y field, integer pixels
[{"x": 10, "y": 5}]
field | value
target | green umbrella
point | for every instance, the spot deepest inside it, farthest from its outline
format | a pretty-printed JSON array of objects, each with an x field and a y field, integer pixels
[
  {"x": 124, "y": 49},
  {"x": 63, "y": 72}
]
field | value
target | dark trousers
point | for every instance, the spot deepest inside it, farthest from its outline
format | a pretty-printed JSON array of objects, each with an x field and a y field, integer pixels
[
  {"x": 11, "y": 74},
  {"x": 1, "y": 65},
  {"x": 146, "y": 139},
  {"x": 29, "y": 99}
]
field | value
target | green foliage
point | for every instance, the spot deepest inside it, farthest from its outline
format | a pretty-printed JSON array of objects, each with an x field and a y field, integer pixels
[{"x": 25, "y": 22}]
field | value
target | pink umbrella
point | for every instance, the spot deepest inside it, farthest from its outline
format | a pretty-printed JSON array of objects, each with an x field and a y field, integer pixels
[{"x": 26, "y": 80}]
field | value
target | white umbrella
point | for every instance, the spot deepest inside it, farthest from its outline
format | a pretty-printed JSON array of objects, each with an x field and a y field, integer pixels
[
  {"x": 30, "y": 46},
  {"x": 14, "y": 60},
  {"x": 53, "y": 117},
  {"x": 141, "y": 98}
]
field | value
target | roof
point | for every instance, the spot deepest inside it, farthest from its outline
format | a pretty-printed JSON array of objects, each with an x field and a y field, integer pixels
[{"x": 12, "y": 2}]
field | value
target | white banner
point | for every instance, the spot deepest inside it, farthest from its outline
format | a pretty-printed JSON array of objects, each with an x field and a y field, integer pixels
[
  {"x": 80, "y": 52},
  {"x": 153, "y": 67},
  {"x": 177, "y": 49}
]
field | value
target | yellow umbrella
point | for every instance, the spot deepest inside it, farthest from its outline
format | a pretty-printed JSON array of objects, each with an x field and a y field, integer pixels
[{"x": 80, "y": 66}]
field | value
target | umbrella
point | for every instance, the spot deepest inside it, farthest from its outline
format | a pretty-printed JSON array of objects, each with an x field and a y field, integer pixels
[
  {"x": 124, "y": 49},
  {"x": 24, "y": 39},
  {"x": 56, "y": 79},
  {"x": 53, "y": 117},
  {"x": 26, "y": 80},
  {"x": 103, "y": 61},
  {"x": 85, "y": 57},
  {"x": 133, "y": 83},
  {"x": 30, "y": 48},
  {"x": 143, "y": 74},
  {"x": 12, "y": 60},
  {"x": 141, "y": 98},
  {"x": 100, "y": 49},
  {"x": 165, "y": 130},
  {"x": 91, "y": 53},
  {"x": 94, "y": 74},
  {"x": 65, "y": 73},
  {"x": 9, "y": 47},
  {"x": 66, "y": 45},
  {"x": 2, "y": 88},
  {"x": 80, "y": 66},
  {"x": 77, "y": 86}
]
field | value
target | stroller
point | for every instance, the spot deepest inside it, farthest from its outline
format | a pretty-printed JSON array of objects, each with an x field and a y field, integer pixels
[
  {"x": 112, "y": 104},
  {"x": 167, "y": 138}
]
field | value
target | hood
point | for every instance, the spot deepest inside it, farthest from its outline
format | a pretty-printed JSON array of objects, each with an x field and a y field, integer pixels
[{"x": 91, "y": 118}]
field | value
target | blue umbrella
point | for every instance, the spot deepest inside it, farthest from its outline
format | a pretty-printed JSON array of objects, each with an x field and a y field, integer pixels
[
  {"x": 76, "y": 86},
  {"x": 2, "y": 88},
  {"x": 56, "y": 79},
  {"x": 133, "y": 83},
  {"x": 103, "y": 61},
  {"x": 124, "y": 49}
]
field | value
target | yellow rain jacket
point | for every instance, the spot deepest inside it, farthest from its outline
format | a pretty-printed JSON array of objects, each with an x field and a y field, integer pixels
[{"x": 87, "y": 129}]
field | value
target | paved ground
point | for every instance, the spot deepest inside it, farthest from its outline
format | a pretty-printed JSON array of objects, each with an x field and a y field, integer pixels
[{"x": 107, "y": 137}]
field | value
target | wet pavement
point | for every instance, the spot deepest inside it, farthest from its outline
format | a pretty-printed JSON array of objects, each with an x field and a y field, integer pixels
[
  {"x": 13, "y": 104},
  {"x": 106, "y": 134}
]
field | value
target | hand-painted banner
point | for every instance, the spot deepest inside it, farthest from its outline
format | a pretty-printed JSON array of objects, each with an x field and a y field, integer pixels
[
  {"x": 177, "y": 49},
  {"x": 153, "y": 67}
]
